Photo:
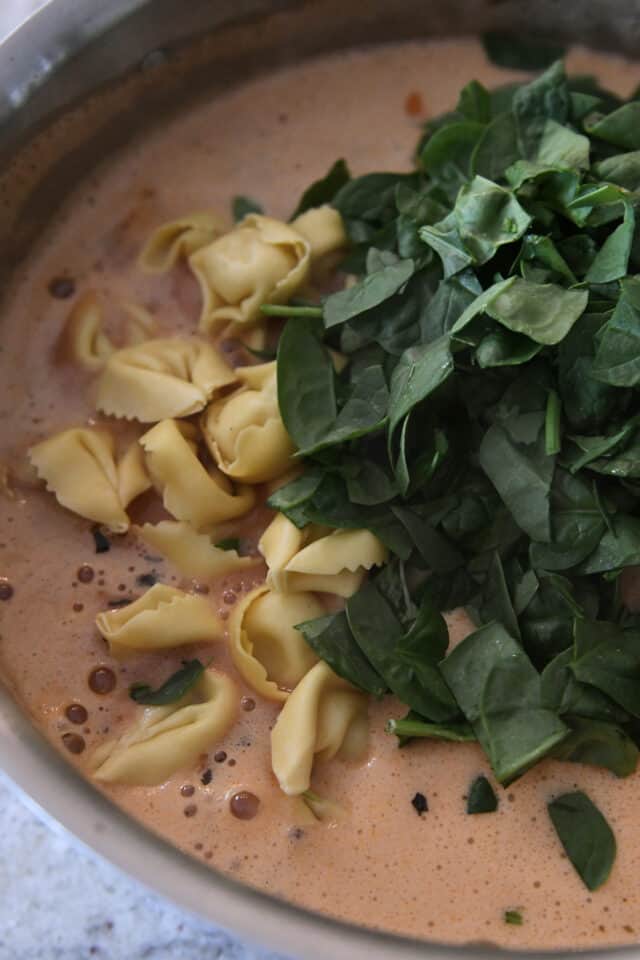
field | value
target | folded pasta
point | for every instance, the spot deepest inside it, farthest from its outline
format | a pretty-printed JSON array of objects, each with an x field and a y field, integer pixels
[
  {"x": 261, "y": 260},
  {"x": 166, "y": 739},
  {"x": 189, "y": 492},
  {"x": 79, "y": 466},
  {"x": 316, "y": 559},
  {"x": 162, "y": 617},
  {"x": 244, "y": 430},
  {"x": 270, "y": 654},
  {"x": 324, "y": 229},
  {"x": 193, "y": 554},
  {"x": 87, "y": 343},
  {"x": 178, "y": 239},
  {"x": 156, "y": 379},
  {"x": 324, "y": 717}
]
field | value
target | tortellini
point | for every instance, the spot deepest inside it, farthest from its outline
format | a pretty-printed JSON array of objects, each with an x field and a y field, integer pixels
[
  {"x": 244, "y": 431},
  {"x": 193, "y": 554},
  {"x": 324, "y": 717},
  {"x": 177, "y": 240},
  {"x": 316, "y": 559},
  {"x": 166, "y": 739},
  {"x": 270, "y": 654},
  {"x": 162, "y": 617},
  {"x": 189, "y": 492},
  {"x": 80, "y": 468},
  {"x": 84, "y": 339},
  {"x": 157, "y": 379},
  {"x": 261, "y": 260},
  {"x": 324, "y": 229}
]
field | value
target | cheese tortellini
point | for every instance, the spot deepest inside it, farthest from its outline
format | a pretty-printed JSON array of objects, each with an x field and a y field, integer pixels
[
  {"x": 189, "y": 492},
  {"x": 244, "y": 431},
  {"x": 193, "y": 554},
  {"x": 261, "y": 260},
  {"x": 324, "y": 717},
  {"x": 166, "y": 739},
  {"x": 79, "y": 466},
  {"x": 270, "y": 654},
  {"x": 324, "y": 229},
  {"x": 162, "y": 617},
  {"x": 84, "y": 339},
  {"x": 157, "y": 379},
  {"x": 178, "y": 239},
  {"x": 317, "y": 559}
]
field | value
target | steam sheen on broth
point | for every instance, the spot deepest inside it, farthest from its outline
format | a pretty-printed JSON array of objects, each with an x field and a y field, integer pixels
[{"x": 374, "y": 859}]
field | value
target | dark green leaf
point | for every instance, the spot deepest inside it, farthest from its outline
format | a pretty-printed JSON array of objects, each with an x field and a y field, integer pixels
[
  {"x": 419, "y": 372},
  {"x": 487, "y": 217},
  {"x": 513, "y": 917},
  {"x": 475, "y": 103},
  {"x": 446, "y": 156},
  {"x": 599, "y": 744},
  {"x": 498, "y": 691},
  {"x": 229, "y": 543},
  {"x": 497, "y": 148},
  {"x": 331, "y": 639},
  {"x": 306, "y": 385},
  {"x": 545, "y": 98},
  {"x": 414, "y": 726},
  {"x": 172, "y": 689},
  {"x": 613, "y": 257},
  {"x": 617, "y": 360},
  {"x": 481, "y": 798},
  {"x": 520, "y": 51},
  {"x": 242, "y": 206},
  {"x": 565, "y": 695},
  {"x": 621, "y": 127},
  {"x": 608, "y": 659},
  {"x": 323, "y": 190},
  {"x": 369, "y": 292},
  {"x": 585, "y": 835}
]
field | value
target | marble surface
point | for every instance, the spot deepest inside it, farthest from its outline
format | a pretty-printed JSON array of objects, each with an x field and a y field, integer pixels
[{"x": 59, "y": 903}]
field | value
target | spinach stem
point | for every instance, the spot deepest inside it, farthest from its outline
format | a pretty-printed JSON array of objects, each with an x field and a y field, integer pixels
[
  {"x": 552, "y": 441},
  {"x": 275, "y": 310}
]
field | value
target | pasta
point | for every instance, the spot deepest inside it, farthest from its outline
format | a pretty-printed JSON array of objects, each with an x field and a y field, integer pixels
[
  {"x": 244, "y": 431},
  {"x": 161, "y": 378},
  {"x": 261, "y": 260},
  {"x": 189, "y": 492},
  {"x": 162, "y": 617},
  {"x": 193, "y": 554},
  {"x": 165, "y": 739},
  {"x": 270, "y": 654},
  {"x": 178, "y": 239},
  {"x": 316, "y": 559},
  {"x": 79, "y": 467},
  {"x": 327, "y": 237},
  {"x": 84, "y": 339},
  {"x": 324, "y": 717}
]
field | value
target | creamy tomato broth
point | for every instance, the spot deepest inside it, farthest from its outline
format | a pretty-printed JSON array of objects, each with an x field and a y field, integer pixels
[{"x": 374, "y": 859}]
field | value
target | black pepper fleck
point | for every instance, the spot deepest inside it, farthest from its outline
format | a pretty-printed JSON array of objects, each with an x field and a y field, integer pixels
[
  {"x": 206, "y": 777},
  {"x": 62, "y": 288},
  {"x": 103, "y": 545},
  {"x": 147, "y": 579},
  {"x": 420, "y": 804}
]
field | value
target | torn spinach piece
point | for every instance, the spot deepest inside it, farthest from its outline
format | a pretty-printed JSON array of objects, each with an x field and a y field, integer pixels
[{"x": 586, "y": 836}]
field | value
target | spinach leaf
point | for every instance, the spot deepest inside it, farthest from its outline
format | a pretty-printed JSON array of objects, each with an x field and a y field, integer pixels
[
  {"x": 412, "y": 674},
  {"x": 577, "y": 525},
  {"x": 241, "y": 206},
  {"x": 497, "y": 149},
  {"x": 364, "y": 410},
  {"x": 585, "y": 835},
  {"x": 618, "y": 547},
  {"x": 481, "y": 797},
  {"x": 623, "y": 169},
  {"x": 565, "y": 695},
  {"x": 499, "y": 693},
  {"x": 617, "y": 360},
  {"x": 331, "y": 639},
  {"x": 296, "y": 492},
  {"x": 228, "y": 543},
  {"x": 418, "y": 373},
  {"x": 446, "y": 156},
  {"x": 487, "y": 217},
  {"x": 435, "y": 550},
  {"x": 522, "y": 475},
  {"x": 444, "y": 237},
  {"x": 474, "y": 103},
  {"x": 324, "y": 190},
  {"x": 172, "y": 689},
  {"x": 599, "y": 744},
  {"x": 612, "y": 260},
  {"x": 414, "y": 726},
  {"x": 608, "y": 659},
  {"x": 545, "y": 98},
  {"x": 369, "y": 292},
  {"x": 306, "y": 384},
  {"x": 518, "y": 51},
  {"x": 621, "y": 127}
]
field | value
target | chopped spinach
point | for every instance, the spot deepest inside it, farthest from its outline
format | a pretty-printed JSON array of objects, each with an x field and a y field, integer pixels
[
  {"x": 586, "y": 836},
  {"x": 481, "y": 798},
  {"x": 172, "y": 689}
]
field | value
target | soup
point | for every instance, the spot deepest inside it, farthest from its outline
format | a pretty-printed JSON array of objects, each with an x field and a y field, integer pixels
[{"x": 390, "y": 843}]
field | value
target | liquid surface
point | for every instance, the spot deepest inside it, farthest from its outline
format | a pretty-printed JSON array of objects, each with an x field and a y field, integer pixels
[{"x": 442, "y": 875}]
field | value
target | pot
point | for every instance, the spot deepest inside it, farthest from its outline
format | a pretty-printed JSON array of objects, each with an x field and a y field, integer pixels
[{"x": 108, "y": 69}]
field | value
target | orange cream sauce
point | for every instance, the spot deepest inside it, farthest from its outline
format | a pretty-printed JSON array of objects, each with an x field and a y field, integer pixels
[{"x": 443, "y": 875}]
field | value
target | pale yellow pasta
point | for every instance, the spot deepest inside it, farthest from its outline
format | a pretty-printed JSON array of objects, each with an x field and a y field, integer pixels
[
  {"x": 324, "y": 717},
  {"x": 79, "y": 467},
  {"x": 178, "y": 239},
  {"x": 316, "y": 559},
  {"x": 189, "y": 492},
  {"x": 193, "y": 554},
  {"x": 261, "y": 260},
  {"x": 86, "y": 341},
  {"x": 324, "y": 229},
  {"x": 166, "y": 739},
  {"x": 270, "y": 654},
  {"x": 244, "y": 430},
  {"x": 162, "y": 617},
  {"x": 157, "y": 379},
  {"x": 140, "y": 324}
]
